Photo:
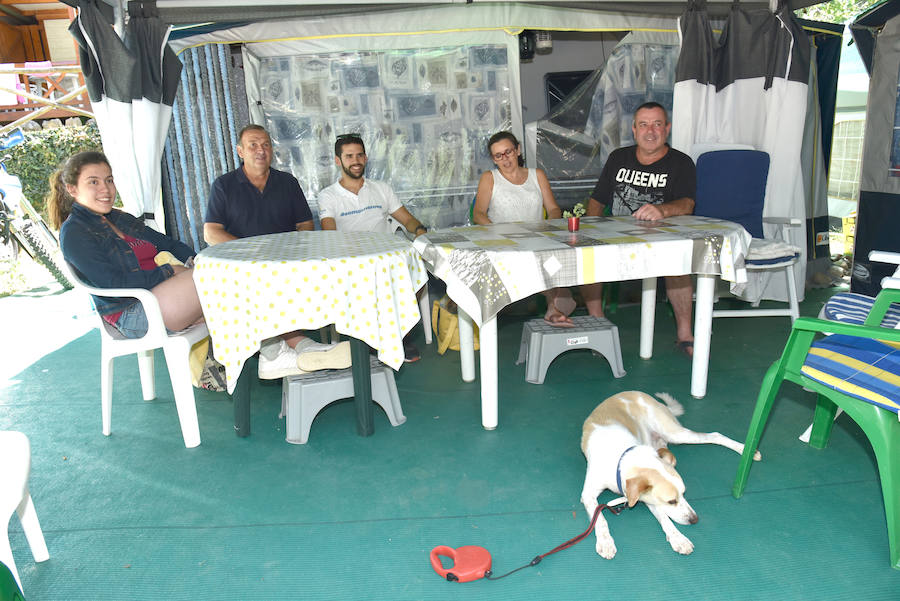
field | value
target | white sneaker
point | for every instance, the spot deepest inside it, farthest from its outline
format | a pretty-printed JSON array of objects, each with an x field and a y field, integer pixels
[
  {"x": 307, "y": 345},
  {"x": 313, "y": 356},
  {"x": 277, "y": 361},
  {"x": 272, "y": 347}
]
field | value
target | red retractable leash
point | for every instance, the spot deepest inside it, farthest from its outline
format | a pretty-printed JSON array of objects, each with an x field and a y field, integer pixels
[{"x": 472, "y": 562}]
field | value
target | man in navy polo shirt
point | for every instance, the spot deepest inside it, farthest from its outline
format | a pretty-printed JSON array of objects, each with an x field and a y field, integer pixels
[{"x": 253, "y": 200}]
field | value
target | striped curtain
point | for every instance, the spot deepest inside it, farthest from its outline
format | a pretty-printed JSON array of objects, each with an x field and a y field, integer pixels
[{"x": 209, "y": 110}]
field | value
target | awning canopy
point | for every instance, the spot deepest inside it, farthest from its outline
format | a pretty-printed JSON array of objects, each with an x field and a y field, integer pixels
[{"x": 180, "y": 12}]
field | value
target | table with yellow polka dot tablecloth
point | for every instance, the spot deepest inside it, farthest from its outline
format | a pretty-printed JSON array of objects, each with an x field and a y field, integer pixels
[{"x": 255, "y": 288}]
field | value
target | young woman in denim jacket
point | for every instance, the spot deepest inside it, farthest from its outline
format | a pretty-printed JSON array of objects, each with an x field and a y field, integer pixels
[{"x": 112, "y": 249}]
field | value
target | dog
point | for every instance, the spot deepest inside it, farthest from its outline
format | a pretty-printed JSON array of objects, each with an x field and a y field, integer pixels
[{"x": 624, "y": 441}]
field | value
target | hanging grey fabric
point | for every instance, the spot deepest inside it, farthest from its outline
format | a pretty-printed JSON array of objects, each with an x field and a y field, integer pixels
[
  {"x": 749, "y": 88},
  {"x": 131, "y": 84}
]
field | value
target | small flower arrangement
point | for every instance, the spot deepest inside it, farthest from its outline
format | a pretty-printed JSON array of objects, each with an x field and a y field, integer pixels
[{"x": 577, "y": 211}]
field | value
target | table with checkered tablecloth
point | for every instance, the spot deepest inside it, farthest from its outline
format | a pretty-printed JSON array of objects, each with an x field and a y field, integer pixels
[
  {"x": 487, "y": 267},
  {"x": 255, "y": 288}
]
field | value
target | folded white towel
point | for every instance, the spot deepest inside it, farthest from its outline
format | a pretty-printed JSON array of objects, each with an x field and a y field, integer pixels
[{"x": 770, "y": 249}]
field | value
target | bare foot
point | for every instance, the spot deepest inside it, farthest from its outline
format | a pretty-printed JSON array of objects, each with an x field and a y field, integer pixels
[
  {"x": 557, "y": 319},
  {"x": 565, "y": 304}
]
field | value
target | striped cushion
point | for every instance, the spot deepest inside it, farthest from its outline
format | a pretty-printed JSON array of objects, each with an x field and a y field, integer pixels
[
  {"x": 859, "y": 367},
  {"x": 848, "y": 307}
]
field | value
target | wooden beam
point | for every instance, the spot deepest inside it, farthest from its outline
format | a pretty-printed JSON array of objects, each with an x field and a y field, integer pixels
[
  {"x": 13, "y": 16},
  {"x": 12, "y": 48},
  {"x": 43, "y": 112},
  {"x": 57, "y": 13},
  {"x": 75, "y": 107},
  {"x": 14, "y": 119},
  {"x": 54, "y": 68}
]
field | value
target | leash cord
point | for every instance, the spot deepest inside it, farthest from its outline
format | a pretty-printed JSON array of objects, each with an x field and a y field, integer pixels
[{"x": 489, "y": 575}]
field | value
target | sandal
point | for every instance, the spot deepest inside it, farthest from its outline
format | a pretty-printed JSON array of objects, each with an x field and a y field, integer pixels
[{"x": 686, "y": 347}]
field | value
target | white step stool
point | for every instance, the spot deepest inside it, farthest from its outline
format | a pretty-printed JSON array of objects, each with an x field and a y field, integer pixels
[
  {"x": 304, "y": 395},
  {"x": 542, "y": 343}
]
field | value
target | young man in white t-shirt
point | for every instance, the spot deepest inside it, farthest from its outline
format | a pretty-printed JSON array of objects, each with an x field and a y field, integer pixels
[
  {"x": 354, "y": 204},
  {"x": 358, "y": 205}
]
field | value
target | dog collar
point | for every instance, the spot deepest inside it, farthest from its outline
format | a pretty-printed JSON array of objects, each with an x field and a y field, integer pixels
[{"x": 619, "y": 469}]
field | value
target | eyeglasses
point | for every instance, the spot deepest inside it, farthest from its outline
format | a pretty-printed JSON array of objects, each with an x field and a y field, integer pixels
[{"x": 502, "y": 155}]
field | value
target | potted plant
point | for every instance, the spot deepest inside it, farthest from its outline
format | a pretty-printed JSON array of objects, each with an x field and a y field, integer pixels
[{"x": 574, "y": 216}]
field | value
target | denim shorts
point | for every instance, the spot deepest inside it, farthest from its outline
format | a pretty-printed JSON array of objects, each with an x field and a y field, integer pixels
[{"x": 132, "y": 323}]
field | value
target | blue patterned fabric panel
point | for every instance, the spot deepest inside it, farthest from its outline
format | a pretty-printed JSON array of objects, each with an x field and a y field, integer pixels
[
  {"x": 848, "y": 307},
  {"x": 859, "y": 367}
]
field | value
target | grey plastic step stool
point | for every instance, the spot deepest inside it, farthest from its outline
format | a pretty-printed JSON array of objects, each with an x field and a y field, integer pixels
[
  {"x": 542, "y": 343},
  {"x": 304, "y": 395}
]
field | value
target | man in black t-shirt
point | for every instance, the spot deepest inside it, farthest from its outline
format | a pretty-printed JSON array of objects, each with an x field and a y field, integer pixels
[
  {"x": 626, "y": 184},
  {"x": 649, "y": 181}
]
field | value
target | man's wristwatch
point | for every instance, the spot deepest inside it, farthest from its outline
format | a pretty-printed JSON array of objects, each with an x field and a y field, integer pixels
[{"x": 420, "y": 227}]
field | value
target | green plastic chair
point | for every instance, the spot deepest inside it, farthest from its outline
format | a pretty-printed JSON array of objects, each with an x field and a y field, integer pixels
[
  {"x": 879, "y": 424},
  {"x": 9, "y": 588}
]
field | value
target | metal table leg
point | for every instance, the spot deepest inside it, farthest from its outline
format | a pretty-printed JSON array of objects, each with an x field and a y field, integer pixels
[
  {"x": 362, "y": 387},
  {"x": 241, "y": 399}
]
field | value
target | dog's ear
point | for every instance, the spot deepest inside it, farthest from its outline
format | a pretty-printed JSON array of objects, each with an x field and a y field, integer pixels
[
  {"x": 634, "y": 488},
  {"x": 666, "y": 455}
]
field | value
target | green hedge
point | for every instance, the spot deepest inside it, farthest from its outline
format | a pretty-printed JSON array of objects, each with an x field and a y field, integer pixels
[{"x": 41, "y": 154}]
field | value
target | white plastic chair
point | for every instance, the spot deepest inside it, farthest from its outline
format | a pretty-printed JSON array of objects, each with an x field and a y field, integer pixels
[
  {"x": 176, "y": 347},
  {"x": 15, "y": 467}
]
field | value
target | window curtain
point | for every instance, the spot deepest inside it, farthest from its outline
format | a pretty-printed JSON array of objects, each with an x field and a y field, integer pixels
[{"x": 424, "y": 105}]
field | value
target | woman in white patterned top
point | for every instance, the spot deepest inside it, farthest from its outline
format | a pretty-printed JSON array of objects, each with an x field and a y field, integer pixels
[{"x": 513, "y": 193}]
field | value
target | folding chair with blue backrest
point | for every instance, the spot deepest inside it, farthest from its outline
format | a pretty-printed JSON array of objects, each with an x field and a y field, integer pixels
[
  {"x": 856, "y": 369},
  {"x": 731, "y": 185}
]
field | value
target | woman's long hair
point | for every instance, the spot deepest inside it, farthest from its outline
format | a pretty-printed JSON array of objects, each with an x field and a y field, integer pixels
[{"x": 59, "y": 201}]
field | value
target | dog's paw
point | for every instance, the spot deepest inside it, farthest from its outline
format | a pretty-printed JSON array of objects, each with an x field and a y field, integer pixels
[
  {"x": 606, "y": 547},
  {"x": 680, "y": 543}
]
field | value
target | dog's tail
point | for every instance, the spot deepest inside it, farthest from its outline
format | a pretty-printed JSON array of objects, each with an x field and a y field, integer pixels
[{"x": 673, "y": 405}]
